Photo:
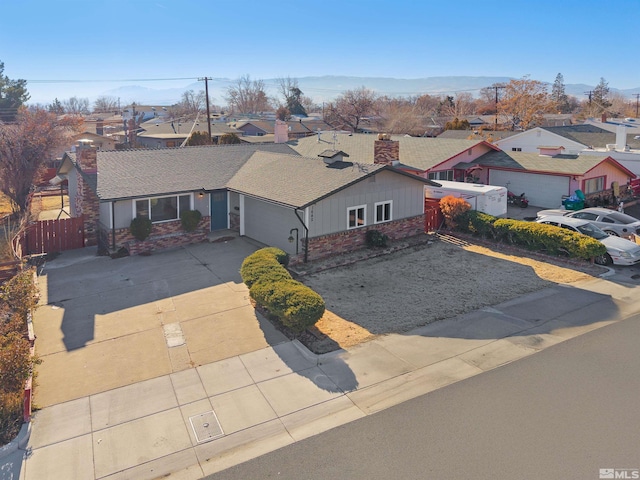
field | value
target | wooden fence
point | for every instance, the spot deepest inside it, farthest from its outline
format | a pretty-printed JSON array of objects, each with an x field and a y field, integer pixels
[{"x": 49, "y": 236}]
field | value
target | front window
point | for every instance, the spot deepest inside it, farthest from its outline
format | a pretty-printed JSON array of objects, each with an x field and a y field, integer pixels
[
  {"x": 356, "y": 217},
  {"x": 383, "y": 212},
  {"x": 163, "y": 209},
  {"x": 442, "y": 175},
  {"x": 593, "y": 185}
]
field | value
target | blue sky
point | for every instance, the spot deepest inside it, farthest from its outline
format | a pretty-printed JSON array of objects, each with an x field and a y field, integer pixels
[{"x": 93, "y": 41}]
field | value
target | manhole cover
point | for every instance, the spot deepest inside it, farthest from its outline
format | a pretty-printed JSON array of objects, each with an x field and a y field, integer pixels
[{"x": 206, "y": 426}]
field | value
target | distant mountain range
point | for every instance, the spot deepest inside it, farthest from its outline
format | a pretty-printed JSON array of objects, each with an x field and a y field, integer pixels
[{"x": 327, "y": 88}]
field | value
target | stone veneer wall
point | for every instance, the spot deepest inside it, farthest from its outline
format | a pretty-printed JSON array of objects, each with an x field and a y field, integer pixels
[
  {"x": 348, "y": 241},
  {"x": 163, "y": 235}
]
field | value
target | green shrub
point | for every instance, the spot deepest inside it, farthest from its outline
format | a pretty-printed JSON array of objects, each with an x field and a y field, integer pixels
[
  {"x": 296, "y": 305},
  {"x": 140, "y": 228},
  {"x": 478, "y": 223},
  {"x": 263, "y": 263},
  {"x": 281, "y": 256},
  {"x": 552, "y": 239},
  {"x": 376, "y": 238},
  {"x": 190, "y": 219}
]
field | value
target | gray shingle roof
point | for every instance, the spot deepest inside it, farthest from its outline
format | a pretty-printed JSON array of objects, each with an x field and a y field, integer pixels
[
  {"x": 139, "y": 173},
  {"x": 591, "y": 135},
  {"x": 159, "y": 128},
  {"x": 566, "y": 164},
  {"x": 296, "y": 181},
  {"x": 419, "y": 152}
]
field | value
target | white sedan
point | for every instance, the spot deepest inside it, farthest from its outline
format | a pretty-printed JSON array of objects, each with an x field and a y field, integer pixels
[{"x": 619, "y": 250}]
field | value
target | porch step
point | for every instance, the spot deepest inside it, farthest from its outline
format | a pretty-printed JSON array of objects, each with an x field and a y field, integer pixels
[{"x": 222, "y": 235}]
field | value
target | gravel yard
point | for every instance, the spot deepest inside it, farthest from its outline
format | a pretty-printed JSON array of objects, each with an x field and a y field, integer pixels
[{"x": 400, "y": 291}]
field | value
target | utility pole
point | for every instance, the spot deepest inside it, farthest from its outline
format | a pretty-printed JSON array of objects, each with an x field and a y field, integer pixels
[
  {"x": 496, "y": 88},
  {"x": 589, "y": 94},
  {"x": 206, "y": 94},
  {"x": 637, "y": 95}
]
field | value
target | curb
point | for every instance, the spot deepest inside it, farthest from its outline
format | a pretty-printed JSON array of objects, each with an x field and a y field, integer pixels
[{"x": 20, "y": 442}]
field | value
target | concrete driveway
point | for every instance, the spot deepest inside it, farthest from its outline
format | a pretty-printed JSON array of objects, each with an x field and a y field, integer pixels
[{"x": 105, "y": 323}]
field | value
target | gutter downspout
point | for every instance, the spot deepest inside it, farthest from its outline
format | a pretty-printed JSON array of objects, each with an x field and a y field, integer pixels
[
  {"x": 306, "y": 236},
  {"x": 113, "y": 226}
]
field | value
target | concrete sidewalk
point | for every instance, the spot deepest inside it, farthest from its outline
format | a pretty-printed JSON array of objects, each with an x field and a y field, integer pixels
[{"x": 195, "y": 422}]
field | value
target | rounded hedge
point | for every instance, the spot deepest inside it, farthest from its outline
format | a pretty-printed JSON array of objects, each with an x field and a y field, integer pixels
[
  {"x": 140, "y": 228},
  {"x": 190, "y": 219},
  {"x": 297, "y": 306}
]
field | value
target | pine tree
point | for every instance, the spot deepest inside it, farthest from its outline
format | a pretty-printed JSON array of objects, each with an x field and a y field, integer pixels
[
  {"x": 600, "y": 95},
  {"x": 559, "y": 96}
]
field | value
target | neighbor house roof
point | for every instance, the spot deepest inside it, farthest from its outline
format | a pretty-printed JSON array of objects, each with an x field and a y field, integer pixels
[
  {"x": 591, "y": 135},
  {"x": 534, "y": 163},
  {"x": 158, "y": 128},
  {"x": 418, "y": 152},
  {"x": 298, "y": 182},
  {"x": 140, "y": 172}
]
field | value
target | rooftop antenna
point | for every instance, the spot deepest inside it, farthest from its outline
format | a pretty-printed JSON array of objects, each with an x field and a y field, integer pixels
[{"x": 335, "y": 139}]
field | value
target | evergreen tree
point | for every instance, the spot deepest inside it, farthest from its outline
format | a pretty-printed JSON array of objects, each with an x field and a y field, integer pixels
[
  {"x": 558, "y": 95},
  {"x": 600, "y": 96},
  {"x": 13, "y": 94}
]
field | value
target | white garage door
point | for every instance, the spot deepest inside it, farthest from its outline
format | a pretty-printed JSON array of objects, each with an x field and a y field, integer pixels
[{"x": 541, "y": 190}]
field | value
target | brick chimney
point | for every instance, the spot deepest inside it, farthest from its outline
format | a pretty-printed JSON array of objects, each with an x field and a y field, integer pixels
[
  {"x": 281, "y": 132},
  {"x": 87, "y": 156},
  {"x": 385, "y": 150},
  {"x": 86, "y": 202},
  {"x": 604, "y": 118},
  {"x": 100, "y": 126}
]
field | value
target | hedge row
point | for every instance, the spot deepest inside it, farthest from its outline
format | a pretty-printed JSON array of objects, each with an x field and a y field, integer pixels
[
  {"x": 297, "y": 306},
  {"x": 18, "y": 296},
  {"x": 532, "y": 235}
]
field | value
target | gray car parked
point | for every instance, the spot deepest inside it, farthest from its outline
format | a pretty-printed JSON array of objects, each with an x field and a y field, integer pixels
[{"x": 611, "y": 222}]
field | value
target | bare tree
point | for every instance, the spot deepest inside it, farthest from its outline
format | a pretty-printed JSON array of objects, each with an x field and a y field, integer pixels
[
  {"x": 190, "y": 104},
  {"x": 292, "y": 96},
  {"x": 23, "y": 147},
  {"x": 398, "y": 116},
  {"x": 350, "y": 108},
  {"x": 460, "y": 106},
  {"x": 76, "y": 106},
  {"x": 105, "y": 104},
  {"x": 248, "y": 96},
  {"x": 524, "y": 102}
]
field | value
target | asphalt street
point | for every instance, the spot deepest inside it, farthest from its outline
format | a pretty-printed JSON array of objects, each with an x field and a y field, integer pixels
[{"x": 564, "y": 413}]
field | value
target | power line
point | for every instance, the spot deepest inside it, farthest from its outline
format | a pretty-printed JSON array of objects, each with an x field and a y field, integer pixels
[{"x": 114, "y": 80}]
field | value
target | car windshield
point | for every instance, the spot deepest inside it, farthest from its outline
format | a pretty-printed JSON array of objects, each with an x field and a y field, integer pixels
[
  {"x": 591, "y": 230},
  {"x": 622, "y": 217}
]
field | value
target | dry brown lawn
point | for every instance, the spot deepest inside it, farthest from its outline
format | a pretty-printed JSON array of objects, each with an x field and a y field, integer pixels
[{"x": 407, "y": 289}]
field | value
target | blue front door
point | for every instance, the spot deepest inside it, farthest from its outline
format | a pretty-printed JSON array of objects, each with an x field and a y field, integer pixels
[{"x": 219, "y": 214}]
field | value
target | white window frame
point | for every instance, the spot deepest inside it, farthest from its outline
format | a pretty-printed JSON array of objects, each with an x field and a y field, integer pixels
[
  {"x": 364, "y": 216},
  {"x": 448, "y": 175},
  {"x": 148, "y": 200},
  {"x": 587, "y": 181},
  {"x": 376, "y": 220}
]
